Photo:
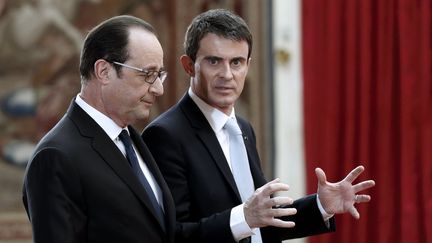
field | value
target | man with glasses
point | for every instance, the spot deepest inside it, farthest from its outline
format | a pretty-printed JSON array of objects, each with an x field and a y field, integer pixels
[
  {"x": 209, "y": 159},
  {"x": 92, "y": 178}
]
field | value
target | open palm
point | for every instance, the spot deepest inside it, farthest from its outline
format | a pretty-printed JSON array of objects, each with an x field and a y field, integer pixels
[{"x": 340, "y": 197}]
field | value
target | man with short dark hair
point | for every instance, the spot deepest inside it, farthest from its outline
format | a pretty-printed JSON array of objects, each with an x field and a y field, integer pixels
[
  {"x": 214, "y": 173},
  {"x": 92, "y": 178}
]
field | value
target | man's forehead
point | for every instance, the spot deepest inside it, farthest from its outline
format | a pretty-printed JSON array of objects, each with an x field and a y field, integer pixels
[
  {"x": 211, "y": 37},
  {"x": 228, "y": 50}
]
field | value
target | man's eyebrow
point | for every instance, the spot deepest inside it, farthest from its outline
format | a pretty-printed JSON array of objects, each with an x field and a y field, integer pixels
[
  {"x": 239, "y": 58},
  {"x": 213, "y": 58},
  {"x": 153, "y": 68}
]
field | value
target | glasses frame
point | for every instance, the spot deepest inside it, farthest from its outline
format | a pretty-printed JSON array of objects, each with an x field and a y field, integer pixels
[{"x": 162, "y": 74}]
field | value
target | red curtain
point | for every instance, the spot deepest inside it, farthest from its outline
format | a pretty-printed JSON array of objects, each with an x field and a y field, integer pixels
[{"x": 368, "y": 100}]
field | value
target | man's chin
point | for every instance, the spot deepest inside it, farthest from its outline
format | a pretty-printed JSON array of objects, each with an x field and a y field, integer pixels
[{"x": 141, "y": 117}]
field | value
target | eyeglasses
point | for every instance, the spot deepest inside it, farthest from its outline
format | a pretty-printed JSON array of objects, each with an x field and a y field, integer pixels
[{"x": 150, "y": 76}]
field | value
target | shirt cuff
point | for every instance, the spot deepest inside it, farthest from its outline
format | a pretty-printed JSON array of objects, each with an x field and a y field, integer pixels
[
  {"x": 239, "y": 227},
  {"x": 324, "y": 214}
]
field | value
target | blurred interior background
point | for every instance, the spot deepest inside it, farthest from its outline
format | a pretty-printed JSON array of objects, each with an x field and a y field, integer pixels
[{"x": 332, "y": 84}]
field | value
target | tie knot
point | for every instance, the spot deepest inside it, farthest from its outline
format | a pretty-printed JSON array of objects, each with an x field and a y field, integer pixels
[
  {"x": 232, "y": 127},
  {"x": 125, "y": 138}
]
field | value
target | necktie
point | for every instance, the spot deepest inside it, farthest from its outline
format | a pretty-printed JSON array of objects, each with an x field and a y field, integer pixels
[
  {"x": 240, "y": 168},
  {"x": 239, "y": 160},
  {"x": 133, "y": 160}
]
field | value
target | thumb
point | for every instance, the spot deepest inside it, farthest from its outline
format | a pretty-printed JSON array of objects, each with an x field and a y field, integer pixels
[{"x": 321, "y": 176}]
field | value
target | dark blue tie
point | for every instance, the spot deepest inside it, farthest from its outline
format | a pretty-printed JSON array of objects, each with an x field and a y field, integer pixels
[{"x": 133, "y": 160}]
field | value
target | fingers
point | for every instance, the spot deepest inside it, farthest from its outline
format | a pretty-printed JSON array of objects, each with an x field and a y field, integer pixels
[
  {"x": 361, "y": 198},
  {"x": 349, "y": 178},
  {"x": 277, "y": 223},
  {"x": 282, "y": 212},
  {"x": 280, "y": 201},
  {"x": 262, "y": 210},
  {"x": 321, "y": 176},
  {"x": 272, "y": 187},
  {"x": 281, "y": 224},
  {"x": 353, "y": 211},
  {"x": 354, "y": 174},
  {"x": 270, "y": 217},
  {"x": 363, "y": 185}
]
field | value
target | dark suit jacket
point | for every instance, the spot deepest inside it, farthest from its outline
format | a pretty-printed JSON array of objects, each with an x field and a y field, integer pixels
[
  {"x": 80, "y": 188},
  {"x": 194, "y": 166}
]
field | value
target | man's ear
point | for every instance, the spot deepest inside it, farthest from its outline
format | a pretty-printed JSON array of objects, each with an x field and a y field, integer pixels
[
  {"x": 188, "y": 65},
  {"x": 102, "y": 70}
]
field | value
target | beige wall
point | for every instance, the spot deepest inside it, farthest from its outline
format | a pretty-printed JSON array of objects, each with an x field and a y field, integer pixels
[{"x": 289, "y": 158}]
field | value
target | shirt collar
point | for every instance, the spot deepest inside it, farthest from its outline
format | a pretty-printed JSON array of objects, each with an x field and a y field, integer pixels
[
  {"x": 215, "y": 117},
  {"x": 106, "y": 123}
]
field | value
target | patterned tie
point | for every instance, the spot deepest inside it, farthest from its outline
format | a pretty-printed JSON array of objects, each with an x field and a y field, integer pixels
[
  {"x": 239, "y": 160},
  {"x": 133, "y": 160}
]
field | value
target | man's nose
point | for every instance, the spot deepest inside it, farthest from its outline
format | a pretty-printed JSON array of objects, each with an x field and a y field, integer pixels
[
  {"x": 226, "y": 71},
  {"x": 157, "y": 87}
]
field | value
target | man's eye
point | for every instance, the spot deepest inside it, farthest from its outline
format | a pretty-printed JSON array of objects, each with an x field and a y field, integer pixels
[
  {"x": 150, "y": 74},
  {"x": 213, "y": 61},
  {"x": 236, "y": 62}
]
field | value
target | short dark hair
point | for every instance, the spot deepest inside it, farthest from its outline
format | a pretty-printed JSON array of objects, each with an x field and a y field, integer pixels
[
  {"x": 108, "y": 41},
  {"x": 217, "y": 21}
]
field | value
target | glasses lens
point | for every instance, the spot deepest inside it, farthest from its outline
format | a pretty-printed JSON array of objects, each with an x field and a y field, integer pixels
[
  {"x": 151, "y": 77},
  {"x": 163, "y": 76}
]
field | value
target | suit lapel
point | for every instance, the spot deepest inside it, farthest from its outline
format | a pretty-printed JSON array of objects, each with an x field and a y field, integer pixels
[
  {"x": 152, "y": 166},
  {"x": 109, "y": 152},
  {"x": 206, "y": 135}
]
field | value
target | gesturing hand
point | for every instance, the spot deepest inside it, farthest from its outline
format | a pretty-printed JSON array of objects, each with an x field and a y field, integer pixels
[
  {"x": 259, "y": 209},
  {"x": 340, "y": 197}
]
